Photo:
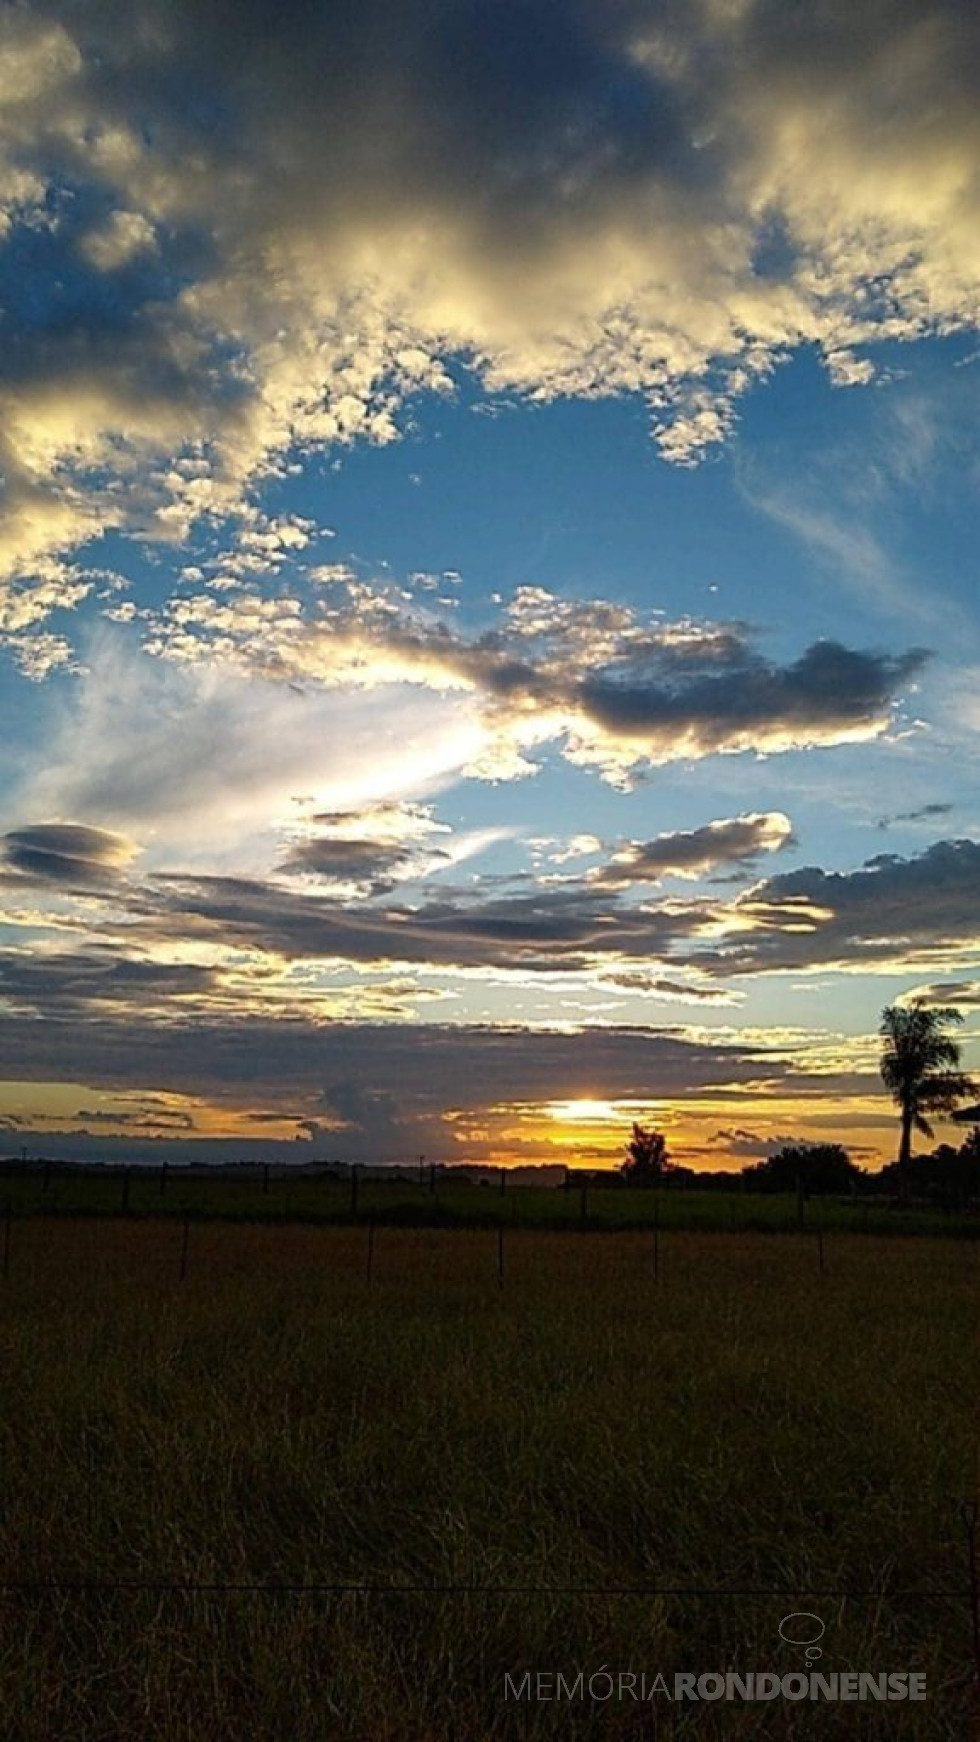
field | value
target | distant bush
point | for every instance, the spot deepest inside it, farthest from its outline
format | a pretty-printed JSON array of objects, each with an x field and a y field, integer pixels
[
  {"x": 816, "y": 1167},
  {"x": 949, "y": 1176},
  {"x": 647, "y": 1160}
]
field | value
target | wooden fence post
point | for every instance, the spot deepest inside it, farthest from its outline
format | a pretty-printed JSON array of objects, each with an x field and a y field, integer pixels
[
  {"x": 656, "y": 1241},
  {"x": 968, "y": 1513}
]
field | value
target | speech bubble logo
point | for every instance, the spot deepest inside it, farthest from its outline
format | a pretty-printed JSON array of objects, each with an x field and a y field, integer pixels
[{"x": 803, "y": 1628}]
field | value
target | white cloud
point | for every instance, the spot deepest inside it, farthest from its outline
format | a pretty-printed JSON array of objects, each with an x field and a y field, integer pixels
[
  {"x": 123, "y": 236},
  {"x": 619, "y": 692},
  {"x": 570, "y": 201},
  {"x": 207, "y": 759}
]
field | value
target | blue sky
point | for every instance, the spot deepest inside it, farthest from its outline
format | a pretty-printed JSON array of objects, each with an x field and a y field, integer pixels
[{"x": 488, "y": 566}]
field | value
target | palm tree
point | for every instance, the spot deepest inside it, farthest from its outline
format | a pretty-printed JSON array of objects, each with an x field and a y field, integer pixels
[{"x": 919, "y": 1067}]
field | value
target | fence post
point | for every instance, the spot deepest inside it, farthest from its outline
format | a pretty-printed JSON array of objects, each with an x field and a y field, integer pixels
[
  {"x": 968, "y": 1513},
  {"x": 656, "y": 1240}
]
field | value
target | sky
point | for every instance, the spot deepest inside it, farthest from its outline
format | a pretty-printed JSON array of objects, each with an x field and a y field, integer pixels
[{"x": 488, "y": 634}]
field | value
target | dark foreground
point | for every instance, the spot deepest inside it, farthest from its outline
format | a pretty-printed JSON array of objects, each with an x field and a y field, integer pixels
[{"x": 316, "y": 1487}]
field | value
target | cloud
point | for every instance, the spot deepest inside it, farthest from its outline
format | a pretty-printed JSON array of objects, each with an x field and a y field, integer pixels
[
  {"x": 257, "y": 231},
  {"x": 67, "y": 853},
  {"x": 694, "y": 852},
  {"x": 748, "y": 1145},
  {"x": 370, "y": 1119},
  {"x": 367, "y": 852},
  {"x": 617, "y": 691},
  {"x": 555, "y": 929},
  {"x": 86, "y": 984},
  {"x": 830, "y": 695},
  {"x": 641, "y": 983},
  {"x": 201, "y": 758},
  {"x": 924, "y": 813},
  {"x": 153, "y": 1121},
  {"x": 372, "y": 1071},
  {"x": 946, "y": 992},
  {"x": 894, "y": 913}
]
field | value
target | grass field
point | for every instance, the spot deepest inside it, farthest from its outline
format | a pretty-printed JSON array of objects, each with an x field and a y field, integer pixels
[
  {"x": 454, "y": 1203},
  {"x": 498, "y": 1464}
]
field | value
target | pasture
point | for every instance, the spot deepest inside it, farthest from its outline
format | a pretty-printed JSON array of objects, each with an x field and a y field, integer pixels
[
  {"x": 444, "y": 1198},
  {"x": 305, "y": 1482}
]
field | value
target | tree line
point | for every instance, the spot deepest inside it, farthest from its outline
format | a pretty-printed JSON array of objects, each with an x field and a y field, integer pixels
[{"x": 920, "y": 1068}]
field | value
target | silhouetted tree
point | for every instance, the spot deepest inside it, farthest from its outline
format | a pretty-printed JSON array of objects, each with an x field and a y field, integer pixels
[
  {"x": 647, "y": 1160},
  {"x": 950, "y": 1176},
  {"x": 817, "y": 1167},
  {"x": 919, "y": 1068}
]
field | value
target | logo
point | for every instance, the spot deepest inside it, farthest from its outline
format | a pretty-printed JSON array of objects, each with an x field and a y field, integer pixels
[{"x": 803, "y": 1628}]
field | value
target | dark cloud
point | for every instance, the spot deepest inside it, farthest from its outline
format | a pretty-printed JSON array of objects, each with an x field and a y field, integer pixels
[
  {"x": 152, "y": 1120},
  {"x": 66, "y": 853},
  {"x": 371, "y": 1119},
  {"x": 746, "y": 703},
  {"x": 71, "y": 984},
  {"x": 892, "y": 910},
  {"x": 925, "y": 813},
  {"x": 618, "y": 690},
  {"x": 694, "y": 852},
  {"x": 398, "y": 1073},
  {"x": 368, "y": 853},
  {"x": 748, "y": 1145},
  {"x": 554, "y": 929},
  {"x": 373, "y": 865},
  {"x": 944, "y": 992}
]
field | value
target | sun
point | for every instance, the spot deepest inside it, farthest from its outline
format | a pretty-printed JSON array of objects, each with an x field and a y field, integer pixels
[{"x": 584, "y": 1112}]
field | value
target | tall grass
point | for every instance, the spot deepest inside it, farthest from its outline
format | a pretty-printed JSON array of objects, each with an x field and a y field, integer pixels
[{"x": 514, "y": 1459}]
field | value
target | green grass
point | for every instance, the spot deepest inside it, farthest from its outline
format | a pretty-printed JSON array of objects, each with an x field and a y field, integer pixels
[
  {"x": 456, "y": 1204},
  {"x": 740, "y": 1422}
]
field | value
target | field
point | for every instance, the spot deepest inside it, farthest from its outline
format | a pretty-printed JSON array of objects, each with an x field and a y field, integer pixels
[
  {"x": 342, "y": 1481},
  {"x": 444, "y": 1200}
]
